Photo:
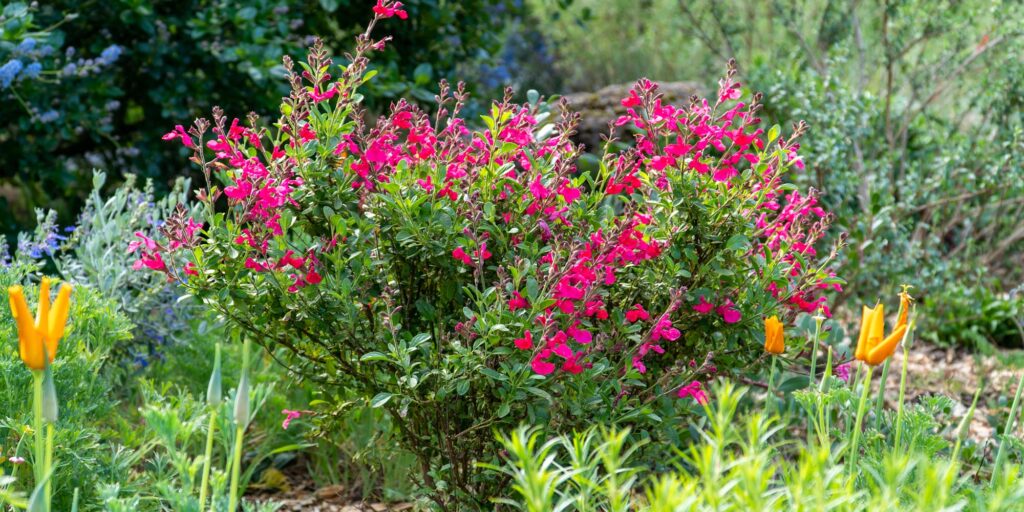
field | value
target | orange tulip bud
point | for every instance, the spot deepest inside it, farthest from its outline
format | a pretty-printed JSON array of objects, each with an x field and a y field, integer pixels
[
  {"x": 774, "y": 340},
  {"x": 872, "y": 330},
  {"x": 905, "y": 301}
]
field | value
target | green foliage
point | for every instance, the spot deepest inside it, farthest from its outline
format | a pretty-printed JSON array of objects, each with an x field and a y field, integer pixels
[
  {"x": 914, "y": 105},
  {"x": 976, "y": 316},
  {"x": 85, "y": 457},
  {"x": 743, "y": 460}
]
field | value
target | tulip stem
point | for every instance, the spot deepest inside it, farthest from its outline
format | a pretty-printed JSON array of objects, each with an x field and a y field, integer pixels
[
  {"x": 236, "y": 466},
  {"x": 824, "y": 410},
  {"x": 903, "y": 385},
  {"x": 770, "y": 397},
  {"x": 1007, "y": 431},
  {"x": 814, "y": 355},
  {"x": 38, "y": 465},
  {"x": 48, "y": 465},
  {"x": 208, "y": 458},
  {"x": 860, "y": 418},
  {"x": 880, "y": 399}
]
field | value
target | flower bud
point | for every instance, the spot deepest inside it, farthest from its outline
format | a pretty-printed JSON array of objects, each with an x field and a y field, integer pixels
[
  {"x": 214, "y": 394},
  {"x": 242, "y": 402}
]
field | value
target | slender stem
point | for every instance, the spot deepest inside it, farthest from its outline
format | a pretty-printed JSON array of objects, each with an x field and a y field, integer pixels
[
  {"x": 74, "y": 501},
  {"x": 899, "y": 404},
  {"x": 770, "y": 396},
  {"x": 236, "y": 466},
  {"x": 814, "y": 355},
  {"x": 880, "y": 399},
  {"x": 855, "y": 380},
  {"x": 208, "y": 458},
  {"x": 961, "y": 431},
  {"x": 236, "y": 469},
  {"x": 38, "y": 465},
  {"x": 48, "y": 465},
  {"x": 824, "y": 409},
  {"x": 1007, "y": 431},
  {"x": 860, "y": 418}
]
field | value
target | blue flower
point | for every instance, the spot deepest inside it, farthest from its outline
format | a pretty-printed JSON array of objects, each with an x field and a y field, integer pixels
[
  {"x": 70, "y": 69},
  {"x": 49, "y": 116},
  {"x": 27, "y": 45},
  {"x": 9, "y": 71},
  {"x": 33, "y": 70},
  {"x": 109, "y": 55}
]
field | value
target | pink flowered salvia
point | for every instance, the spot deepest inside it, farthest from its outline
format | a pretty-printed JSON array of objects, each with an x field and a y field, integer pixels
[{"x": 714, "y": 143}]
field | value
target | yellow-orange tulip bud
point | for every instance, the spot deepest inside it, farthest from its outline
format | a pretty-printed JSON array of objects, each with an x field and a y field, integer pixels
[
  {"x": 905, "y": 301},
  {"x": 38, "y": 339},
  {"x": 774, "y": 341}
]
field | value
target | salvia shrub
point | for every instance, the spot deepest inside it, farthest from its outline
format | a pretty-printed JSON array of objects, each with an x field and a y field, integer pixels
[{"x": 468, "y": 279}]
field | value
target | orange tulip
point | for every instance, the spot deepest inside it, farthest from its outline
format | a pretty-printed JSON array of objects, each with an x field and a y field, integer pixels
[
  {"x": 883, "y": 350},
  {"x": 38, "y": 340},
  {"x": 872, "y": 330},
  {"x": 774, "y": 341}
]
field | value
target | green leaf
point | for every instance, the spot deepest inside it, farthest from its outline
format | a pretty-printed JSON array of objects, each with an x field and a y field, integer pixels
[
  {"x": 374, "y": 356},
  {"x": 380, "y": 400},
  {"x": 737, "y": 243},
  {"x": 493, "y": 374}
]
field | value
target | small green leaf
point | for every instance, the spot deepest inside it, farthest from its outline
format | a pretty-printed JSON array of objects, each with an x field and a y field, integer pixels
[{"x": 380, "y": 400}]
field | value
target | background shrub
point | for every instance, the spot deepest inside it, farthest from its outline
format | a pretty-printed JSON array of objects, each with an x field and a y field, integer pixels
[
  {"x": 86, "y": 87},
  {"x": 914, "y": 105}
]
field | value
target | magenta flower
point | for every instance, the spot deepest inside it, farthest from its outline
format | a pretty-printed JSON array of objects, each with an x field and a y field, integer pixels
[
  {"x": 729, "y": 312},
  {"x": 636, "y": 314},
  {"x": 694, "y": 391},
  {"x": 703, "y": 306},
  {"x": 460, "y": 254},
  {"x": 664, "y": 330},
  {"x": 289, "y": 416},
  {"x": 843, "y": 372},
  {"x": 524, "y": 343},
  {"x": 517, "y": 302}
]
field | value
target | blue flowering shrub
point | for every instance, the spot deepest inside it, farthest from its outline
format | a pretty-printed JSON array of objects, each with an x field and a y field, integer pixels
[{"x": 94, "y": 252}]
